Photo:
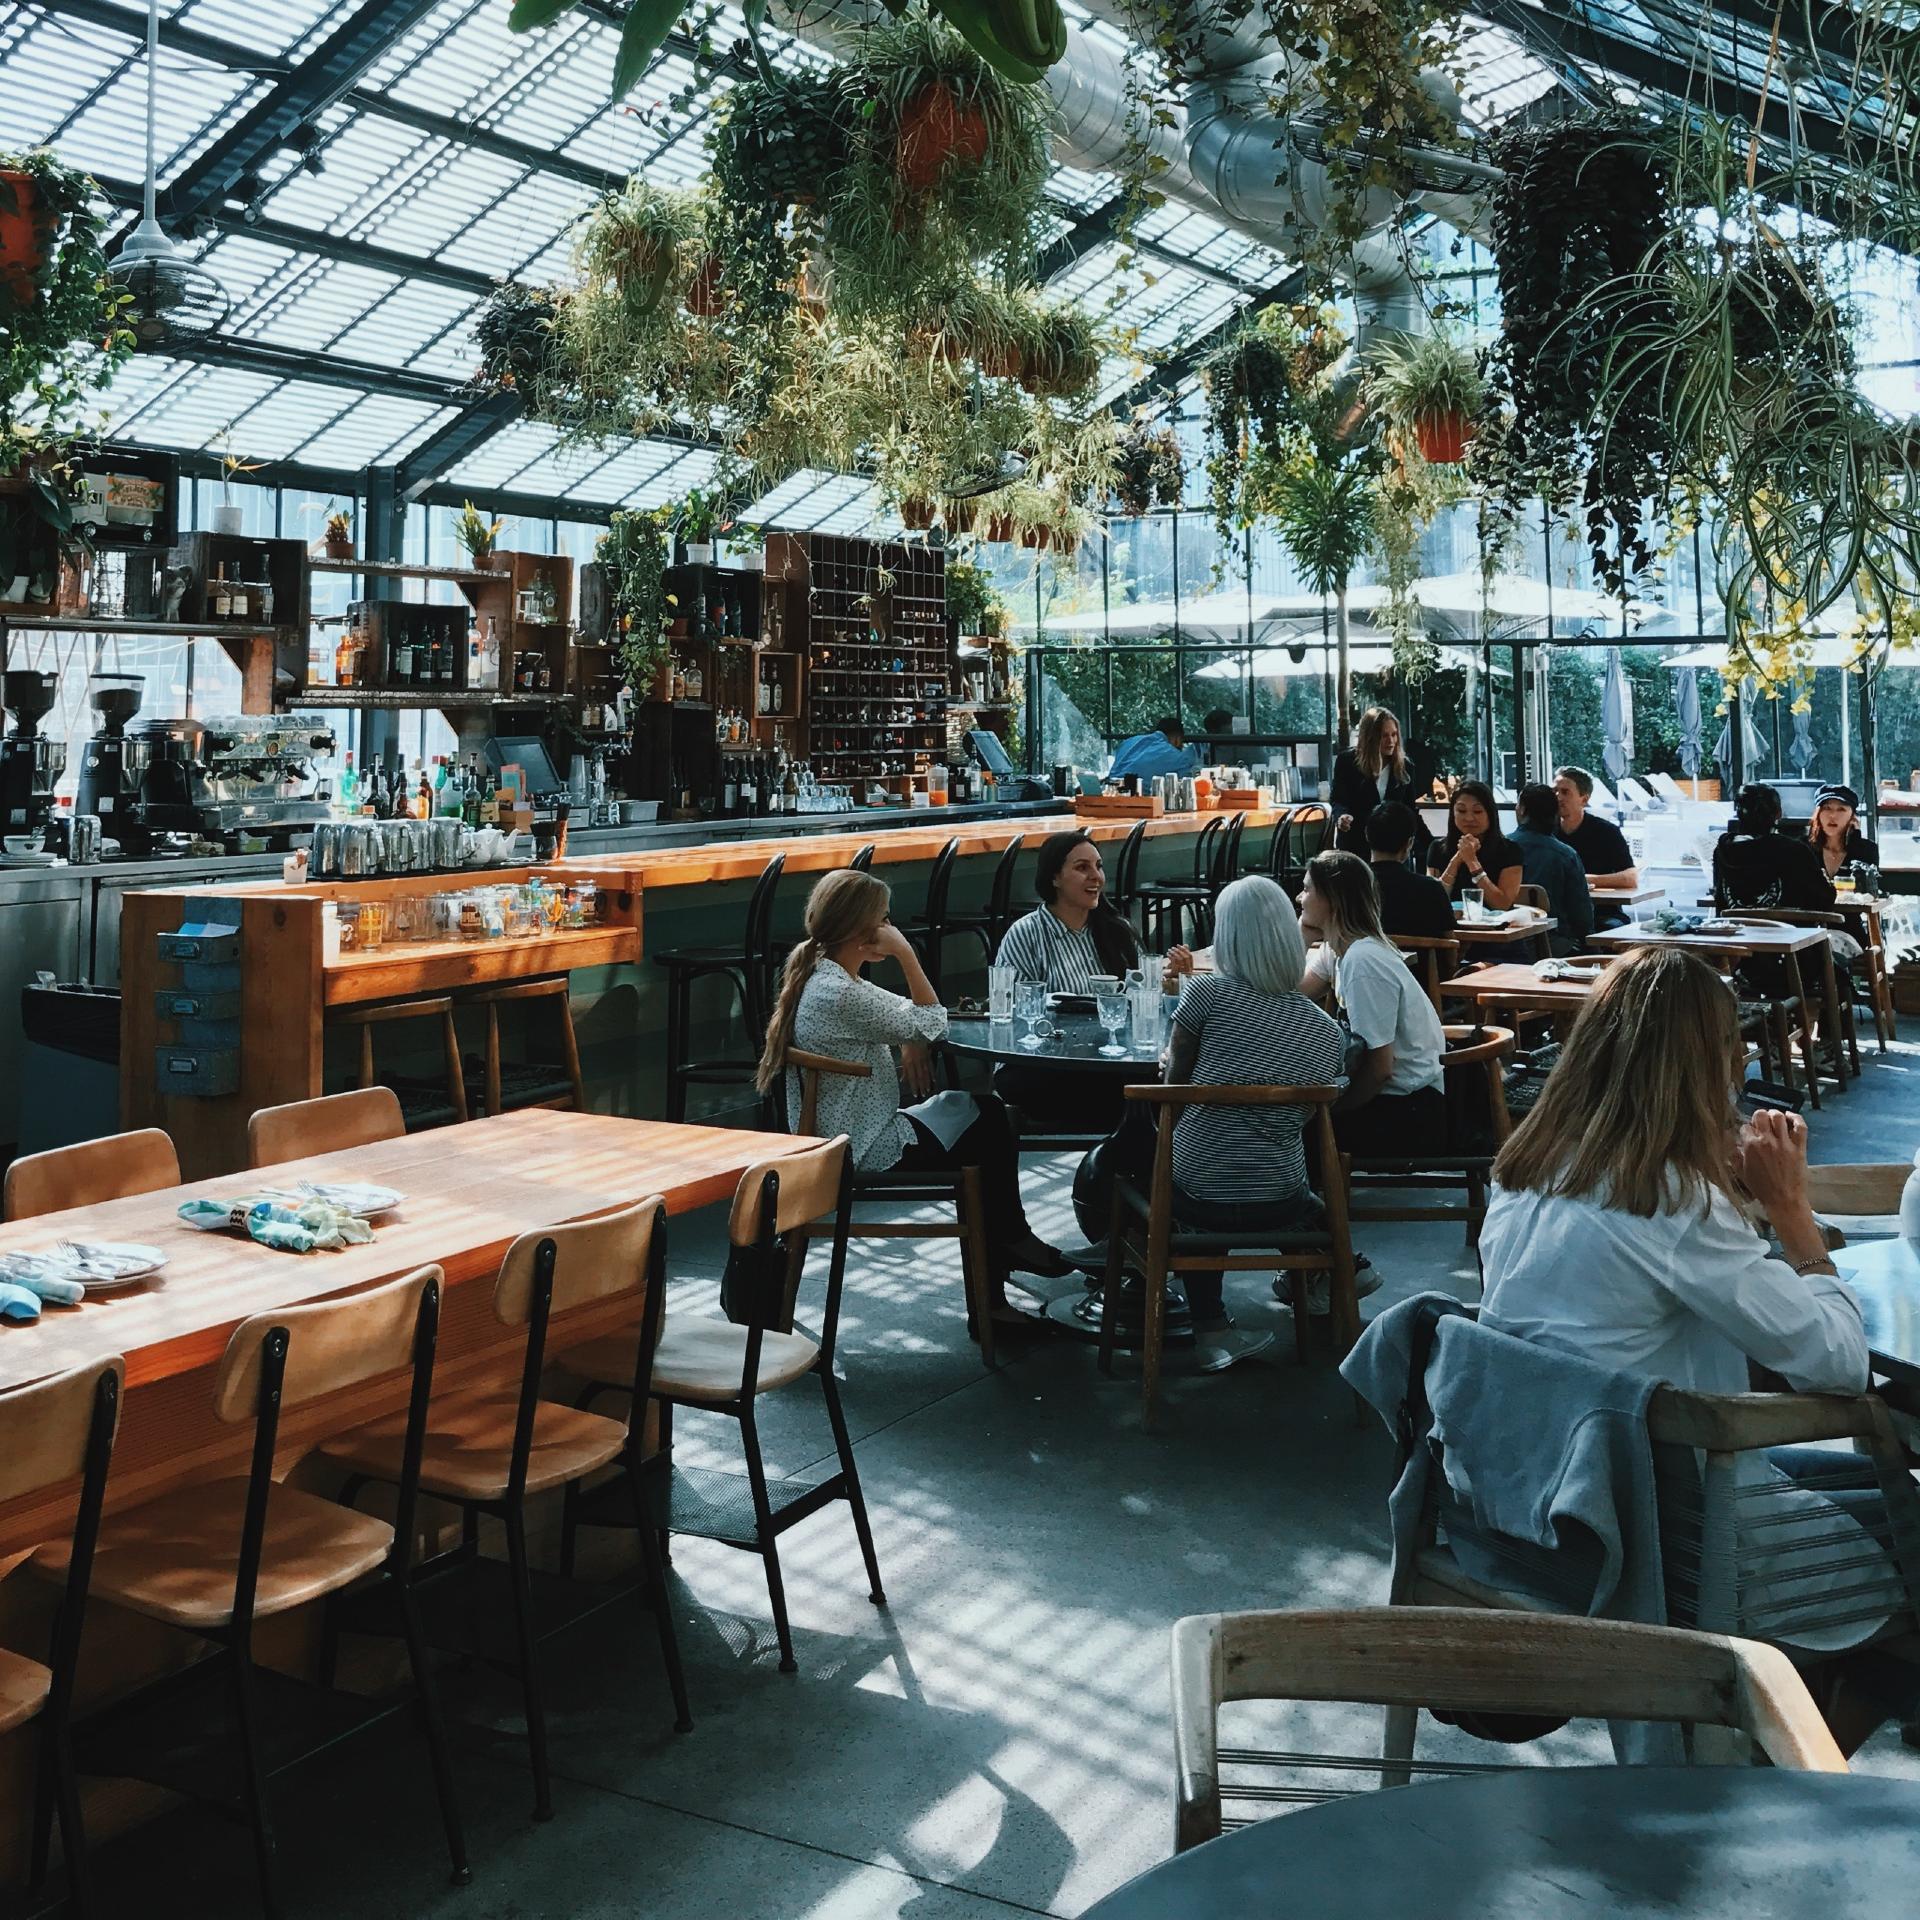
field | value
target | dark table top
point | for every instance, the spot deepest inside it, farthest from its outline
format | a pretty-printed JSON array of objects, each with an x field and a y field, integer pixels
[
  {"x": 1885, "y": 1276},
  {"x": 1075, "y": 1042},
  {"x": 1560, "y": 1843}
]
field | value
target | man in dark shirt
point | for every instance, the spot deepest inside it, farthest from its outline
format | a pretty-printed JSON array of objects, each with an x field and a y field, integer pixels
[
  {"x": 1410, "y": 903},
  {"x": 1550, "y": 863},
  {"x": 1602, "y": 847}
]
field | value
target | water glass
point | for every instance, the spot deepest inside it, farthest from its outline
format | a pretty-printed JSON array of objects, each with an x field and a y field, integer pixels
[
  {"x": 1472, "y": 905},
  {"x": 1112, "y": 1009},
  {"x": 1146, "y": 1017},
  {"x": 1000, "y": 984},
  {"x": 1030, "y": 1008}
]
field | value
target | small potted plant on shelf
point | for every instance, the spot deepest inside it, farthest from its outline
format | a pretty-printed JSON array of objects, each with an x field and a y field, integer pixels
[
  {"x": 339, "y": 537},
  {"x": 1431, "y": 388},
  {"x": 479, "y": 537},
  {"x": 229, "y": 517},
  {"x": 695, "y": 521}
]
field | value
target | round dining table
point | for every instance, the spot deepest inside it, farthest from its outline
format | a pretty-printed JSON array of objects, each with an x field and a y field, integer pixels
[
  {"x": 1560, "y": 1843},
  {"x": 1072, "y": 1042}
]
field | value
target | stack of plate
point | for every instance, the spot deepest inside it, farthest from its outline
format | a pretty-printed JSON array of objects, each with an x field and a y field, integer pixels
[{"x": 99, "y": 1267}]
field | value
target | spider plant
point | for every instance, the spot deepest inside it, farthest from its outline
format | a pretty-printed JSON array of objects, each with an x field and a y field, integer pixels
[{"x": 1428, "y": 388}]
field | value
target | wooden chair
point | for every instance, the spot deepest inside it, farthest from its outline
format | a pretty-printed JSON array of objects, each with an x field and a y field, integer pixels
[
  {"x": 1459, "y": 1661},
  {"x": 1860, "y": 1193},
  {"x": 1433, "y": 960},
  {"x": 1475, "y": 1066},
  {"x": 329, "y": 1124},
  {"x": 1849, "y": 1037},
  {"x": 529, "y": 1083},
  {"x": 1142, "y": 1228},
  {"x": 748, "y": 971},
  {"x": 426, "y": 1102},
  {"x": 489, "y": 1450},
  {"x": 1527, "y": 896},
  {"x": 1308, "y": 830},
  {"x": 216, "y": 1557},
  {"x": 724, "y": 1366},
  {"x": 959, "y": 1189},
  {"x": 52, "y": 1433},
  {"x": 114, "y": 1167}
]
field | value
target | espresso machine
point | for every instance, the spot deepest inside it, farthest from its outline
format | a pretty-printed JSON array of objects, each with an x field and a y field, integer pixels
[
  {"x": 30, "y": 765},
  {"x": 109, "y": 779}
]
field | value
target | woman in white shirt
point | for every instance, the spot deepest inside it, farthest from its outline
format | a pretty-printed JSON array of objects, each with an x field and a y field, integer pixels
[
  {"x": 825, "y": 1007},
  {"x": 1395, "y": 1102},
  {"x": 1616, "y": 1230}
]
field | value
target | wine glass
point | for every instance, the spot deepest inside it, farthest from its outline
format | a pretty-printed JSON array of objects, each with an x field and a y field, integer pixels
[
  {"x": 1030, "y": 1009},
  {"x": 1112, "y": 1009}
]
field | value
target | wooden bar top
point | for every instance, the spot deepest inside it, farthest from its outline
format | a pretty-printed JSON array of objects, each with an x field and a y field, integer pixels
[
  {"x": 893, "y": 846},
  {"x": 396, "y": 971},
  {"x": 470, "y": 1191}
]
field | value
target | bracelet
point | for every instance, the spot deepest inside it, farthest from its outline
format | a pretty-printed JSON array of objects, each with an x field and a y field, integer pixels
[{"x": 1821, "y": 1262}]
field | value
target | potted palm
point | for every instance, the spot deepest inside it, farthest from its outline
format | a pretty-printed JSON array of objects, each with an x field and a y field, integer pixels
[
  {"x": 479, "y": 537},
  {"x": 1429, "y": 387},
  {"x": 339, "y": 537}
]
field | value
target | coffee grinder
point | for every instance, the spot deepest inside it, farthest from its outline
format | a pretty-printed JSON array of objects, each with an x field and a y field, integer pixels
[
  {"x": 29, "y": 764},
  {"x": 109, "y": 779}
]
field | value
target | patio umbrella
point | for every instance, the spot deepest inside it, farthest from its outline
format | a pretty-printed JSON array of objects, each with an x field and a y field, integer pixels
[
  {"x": 1752, "y": 748},
  {"x": 1800, "y": 752},
  {"x": 1616, "y": 717},
  {"x": 1686, "y": 700}
]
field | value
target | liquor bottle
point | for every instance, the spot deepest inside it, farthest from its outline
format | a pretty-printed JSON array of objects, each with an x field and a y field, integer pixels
[
  {"x": 219, "y": 599},
  {"x": 729, "y": 788},
  {"x": 346, "y": 795},
  {"x": 400, "y": 650},
  {"x": 470, "y": 796},
  {"x": 343, "y": 653}
]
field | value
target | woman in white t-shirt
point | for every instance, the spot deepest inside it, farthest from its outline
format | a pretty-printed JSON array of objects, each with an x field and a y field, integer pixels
[{"x": 1395, "y": 1102}]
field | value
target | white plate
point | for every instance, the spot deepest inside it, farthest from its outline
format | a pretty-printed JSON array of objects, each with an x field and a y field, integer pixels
[
  {"x": 359, "y": 1197},
  {"x": 109, "y": 1265}
]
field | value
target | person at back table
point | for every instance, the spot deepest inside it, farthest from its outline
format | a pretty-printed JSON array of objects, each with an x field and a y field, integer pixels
[
  {"x": 1411, "y": 903},
  {"x": 1163, "y": 749},
  {"x": 1616, "y": 1231},
  {"x": 1602, "y": 847},
  {"x": 1475, "y": 853},
  {"x": 1373, "y": 772},
  {"x": 1834, "y": 832},
  {"x": 1757, "y": 867},
  {"x": 1547, "y": 862},
  {"x": 825, "y": 1007}
]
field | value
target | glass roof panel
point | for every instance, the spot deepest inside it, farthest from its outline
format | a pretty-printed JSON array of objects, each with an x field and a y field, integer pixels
[{"x": 372, "y": 432}]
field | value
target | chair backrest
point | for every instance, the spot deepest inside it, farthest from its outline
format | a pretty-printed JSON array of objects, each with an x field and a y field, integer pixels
[
  {"x": 1226, "y": 852},
  {"x": 1309, "y": 828},
  {"x": 940, "y": 883},
  {"x": 863, "y": 860},
  {"x": 601, "y": 1258},
  {"x": 111, "y": 1168},
  {"x": 1476, "y": 1086},
  {"x": 810, "y": 1066},
  {"x": 760, "y": 911},
  {"x": 807, "y": 1189},
  {"x": 1432, "y": 961},
  {"x": 1527, "y": 895},
  {"x": 1126, "y": 870},
  {"x": 48, "y": 1426},
  {"x": 1277, "y": 844},
  {"x": 1203, "y": 850},
  {"x": 329, "y": 1124},
  {"x": 331, "y": 1345},
  {"x": 1000, "y": 897},
  {"x": 1857, "y": 1189},
  {"x": 1465, "y": 1660}
]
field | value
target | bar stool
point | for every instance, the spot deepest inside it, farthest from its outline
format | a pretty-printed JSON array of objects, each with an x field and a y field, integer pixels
[
  {"x": 1307, "y": 830},
  {"x": 749, "y": 971},
  {"x": 330, "y": 1124},
  {"x": 53, "y": 1432},
  {"x": 506, "y": 1088},
  {"x": 112, "y": 1168},
  {"x": 1166, "y": 903},
  {"x": 488, "y": 1450},
  {"x": 1125, "y": 891},
  {"x": 928, "y": 931},
  {"x": 214, "y": 1558},
  {"x": 862, "y": 862},
  {"x": 425, "y": 1102},
  {"x": 724, "y": 1366},
  {"x": 990, "y": 928}
]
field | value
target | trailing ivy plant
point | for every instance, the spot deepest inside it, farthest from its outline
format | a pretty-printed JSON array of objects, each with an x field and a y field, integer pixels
[
  {"x": 1149, "y": 469},
  {"x": 634, "y": 551}
]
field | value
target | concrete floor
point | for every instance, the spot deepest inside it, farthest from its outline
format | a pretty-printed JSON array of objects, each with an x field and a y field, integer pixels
[{"x": 996, "y": 1739}]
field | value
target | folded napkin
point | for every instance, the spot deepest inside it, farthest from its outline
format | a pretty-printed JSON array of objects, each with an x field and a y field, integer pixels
[
  {"x": 310, "y": 1227},
  {"x": 26, "y": 1279}
]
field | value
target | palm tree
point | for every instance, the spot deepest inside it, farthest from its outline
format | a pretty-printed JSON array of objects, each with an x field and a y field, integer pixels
[{"x": 1325, "y": 508}]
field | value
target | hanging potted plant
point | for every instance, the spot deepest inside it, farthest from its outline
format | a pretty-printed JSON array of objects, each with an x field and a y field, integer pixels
[
  {"x": 339, "y": 537},
  {"x": 634, "y": 551},
  {"x": 1149, "y": 469},
  {"x": 940, "y": 128},
  {"x": 639, "y": 243},
  {"x": 479, "y": 538},
  {"x": 1059, "y": 352},
  {"x": 1429, "y": 387},
  {"x": 916, "y": 515}
]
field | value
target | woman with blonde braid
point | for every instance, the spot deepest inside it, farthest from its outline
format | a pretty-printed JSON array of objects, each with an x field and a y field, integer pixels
[{"x": 825, "y": 1007}]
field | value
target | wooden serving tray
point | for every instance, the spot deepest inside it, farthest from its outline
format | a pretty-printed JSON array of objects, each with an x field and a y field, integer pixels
[
  {"x": 1117, "y": 806},
  {"x": 1229, "y": 799}
]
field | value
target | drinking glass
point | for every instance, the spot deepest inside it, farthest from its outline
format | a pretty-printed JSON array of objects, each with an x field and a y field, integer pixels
[
  {"x": 1000, "y": 984},
  {"x": 1030, "y": 1008},
  {"x": 1843, "y": 881},
  {"x": 373, "y": 924},
  {"x": 1472, "y": 905},
  {"x": 1112, "y": 1009},
  {"x": 1145, "y": 1001}
]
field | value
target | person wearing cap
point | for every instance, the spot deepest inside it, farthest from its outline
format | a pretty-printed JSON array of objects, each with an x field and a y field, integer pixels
[
  {"x": 1163, "y": 750},
  {"x": 1835, "y": 832}
]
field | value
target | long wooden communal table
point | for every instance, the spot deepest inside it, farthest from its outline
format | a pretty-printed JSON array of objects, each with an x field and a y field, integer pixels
[{"x": 470, "y": 1191}]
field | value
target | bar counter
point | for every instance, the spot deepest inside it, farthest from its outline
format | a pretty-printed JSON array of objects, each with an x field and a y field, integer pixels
[{"x": 651, "y": 898}]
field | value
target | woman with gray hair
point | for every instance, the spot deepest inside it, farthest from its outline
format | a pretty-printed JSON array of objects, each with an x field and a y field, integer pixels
[{"x": 1246, "y": 1024}]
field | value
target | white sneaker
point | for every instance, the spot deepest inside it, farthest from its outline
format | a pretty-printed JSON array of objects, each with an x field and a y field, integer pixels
[{"x": 1366, "y": 1280}]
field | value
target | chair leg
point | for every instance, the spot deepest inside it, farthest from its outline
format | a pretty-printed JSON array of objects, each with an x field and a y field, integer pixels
[
  {"x": 1154, "y": 1308},
  {"x": 1810, "y": 1056},
  {"x": 768, "y": 1540},
  {"x": 856, "y": 1499},
  {"x": 1110, "y": 1280},
  {"x": 1302, "y": 1319},
  {"x": 1397, "y": 1748},
  {"x": 654, "y": 1561},
  {"x": 436, "y": 1731},
  {"x": 45, "y": 1798},
  {"x": 1476, "y": 1207},
  {"x": 570, "y": 1051},
  {"x": 493, "y": 1057},
  {"x": 516, "y": 1525},
  {"x": 456, "y": 1078},
  {"x": 974, "y": 1262},
  {"x": 1782, "y": 1044},
  {"x": 366, "y": 1056},
  {"x": 679, "y": 1038},
  {"x": 266, "y": 1858}
]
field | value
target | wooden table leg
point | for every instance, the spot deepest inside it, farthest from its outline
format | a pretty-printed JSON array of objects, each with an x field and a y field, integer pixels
[{"x": 1830, "y": 1003}]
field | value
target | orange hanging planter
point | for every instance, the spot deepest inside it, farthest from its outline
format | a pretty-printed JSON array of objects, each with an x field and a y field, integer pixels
[
  {"x": 704, "y": 295},
  {"x": 937, "y": 131},
  {"x": 1443, "y": 438},
  {"x": 21, "y": 251}
]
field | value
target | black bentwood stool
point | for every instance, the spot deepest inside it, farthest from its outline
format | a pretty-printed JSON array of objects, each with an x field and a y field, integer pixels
[
  {"x": 990, "y": 927},
  {"x": 748, "y": 968}
]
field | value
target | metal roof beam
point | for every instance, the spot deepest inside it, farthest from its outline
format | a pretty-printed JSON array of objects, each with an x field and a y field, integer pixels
[
  {"x": 466, "y": 433},
  {"x": 322, "y": 369}
]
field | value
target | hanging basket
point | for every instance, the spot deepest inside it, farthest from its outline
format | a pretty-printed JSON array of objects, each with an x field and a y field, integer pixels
[
  {"x": 999, "y": 530},
  {"x": 21, "y": 253},
  {"x": 916, "y": 515},
  {"x": 1443, "y": 438},
  {"x": 704, "y": 296},
  {"x": 937, "y": 132}
]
